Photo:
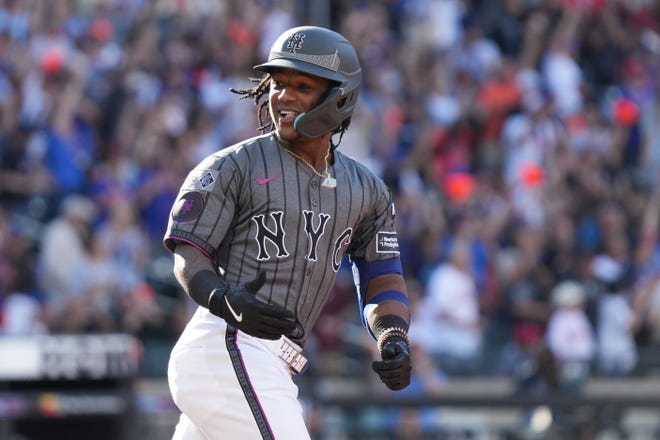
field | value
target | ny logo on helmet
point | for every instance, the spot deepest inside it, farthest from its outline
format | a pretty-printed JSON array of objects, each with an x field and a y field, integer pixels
[{"x": 295, "y": 42}]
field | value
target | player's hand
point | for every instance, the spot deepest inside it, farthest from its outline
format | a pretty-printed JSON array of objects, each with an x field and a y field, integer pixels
[
  {"x": 241, "y": 309},
  {"x": 395, "y": 367}
]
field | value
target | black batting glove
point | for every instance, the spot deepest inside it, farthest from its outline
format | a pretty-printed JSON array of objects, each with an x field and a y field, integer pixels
[
  {"x": 395, "y": 367},
  {"x": 241, "y": 309}
]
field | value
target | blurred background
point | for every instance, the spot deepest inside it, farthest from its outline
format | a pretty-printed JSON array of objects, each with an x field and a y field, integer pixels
[{"x": 521, "y": 141}]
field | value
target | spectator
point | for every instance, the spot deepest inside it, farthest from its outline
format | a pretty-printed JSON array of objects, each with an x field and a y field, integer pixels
[
  {"x": 615, "y": 324},
  {"x": 570, "y": 335},
  {"x": 25, "y": 181},
  {"x": 21, "y": 308},
  {"x": 63, "y": 252},
  {"x": 22, "y": 314},
  {"x": 448, "y": 323},
  {"x": 126, "y": 242},
  {"x": 525, "y": 286},
  {"x": 96, "y": 287},
  {"x": 560, "y": 68}
]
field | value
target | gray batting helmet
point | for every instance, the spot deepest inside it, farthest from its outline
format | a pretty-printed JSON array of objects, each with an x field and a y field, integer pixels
[{"x": 321, "y": 52}]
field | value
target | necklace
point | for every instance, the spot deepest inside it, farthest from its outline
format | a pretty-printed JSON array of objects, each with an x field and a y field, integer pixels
[{"x": 328, "y": 181}]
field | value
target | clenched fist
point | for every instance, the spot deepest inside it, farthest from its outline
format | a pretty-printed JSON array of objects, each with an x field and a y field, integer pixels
[{"x": 395, "y": 367}]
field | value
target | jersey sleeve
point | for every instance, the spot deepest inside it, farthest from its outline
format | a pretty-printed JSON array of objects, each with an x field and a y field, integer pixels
[
  {"x": 205, "y": 205},
  {"x": 376, "y": 238}
]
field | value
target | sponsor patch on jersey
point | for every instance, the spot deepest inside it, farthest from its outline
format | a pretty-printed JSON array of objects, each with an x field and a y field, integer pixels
[
  {"x": 201, "y": 180},
  {"x": 188, "y": 207},
  {"x": 387, "y": 243}
]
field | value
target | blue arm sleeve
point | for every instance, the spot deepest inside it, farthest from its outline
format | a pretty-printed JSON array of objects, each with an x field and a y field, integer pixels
[{"x": 363, "y": 271}]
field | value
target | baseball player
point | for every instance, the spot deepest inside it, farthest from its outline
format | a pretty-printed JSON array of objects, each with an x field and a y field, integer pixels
[{"x": 259, "y": 230}]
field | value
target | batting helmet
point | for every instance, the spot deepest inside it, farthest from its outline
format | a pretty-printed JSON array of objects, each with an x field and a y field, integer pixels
[{"x": 321, "y": 52}]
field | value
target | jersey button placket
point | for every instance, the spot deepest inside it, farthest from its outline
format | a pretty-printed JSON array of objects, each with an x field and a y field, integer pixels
[{"x": 314, "y": 198}]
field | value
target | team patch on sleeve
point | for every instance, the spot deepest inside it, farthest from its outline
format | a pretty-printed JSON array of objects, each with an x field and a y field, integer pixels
[
  {"x": 188, "y": 207},
  {"x": 387, "y": 243},
  {"x": 201, "y": 180}
]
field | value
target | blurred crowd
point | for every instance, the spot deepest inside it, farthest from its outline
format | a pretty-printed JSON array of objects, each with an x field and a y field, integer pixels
[{"x": 520, "y": 138}]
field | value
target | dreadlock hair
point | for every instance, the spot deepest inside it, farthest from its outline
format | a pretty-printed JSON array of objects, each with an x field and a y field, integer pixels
[
  {"x": 263, "y": 114},
  {"x": 255, "y": 94}
]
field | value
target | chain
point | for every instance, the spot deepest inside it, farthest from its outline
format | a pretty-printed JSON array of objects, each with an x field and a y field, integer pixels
[{"x": 325, "y": 159}]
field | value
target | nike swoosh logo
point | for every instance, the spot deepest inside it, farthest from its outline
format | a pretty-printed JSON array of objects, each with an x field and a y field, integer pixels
[
  {"x": 237, "y": 317},
  {"x": 265, "y": 180}
]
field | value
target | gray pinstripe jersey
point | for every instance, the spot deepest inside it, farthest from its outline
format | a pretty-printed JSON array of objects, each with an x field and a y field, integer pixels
[{"x": 253, "y": 206}]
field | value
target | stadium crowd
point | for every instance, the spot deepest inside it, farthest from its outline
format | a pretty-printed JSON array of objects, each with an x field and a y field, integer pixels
[{"x": 520, "y": 138}]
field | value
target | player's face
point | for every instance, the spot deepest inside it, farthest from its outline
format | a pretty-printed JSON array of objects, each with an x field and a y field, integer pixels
[{"x": 293, "y": 93}]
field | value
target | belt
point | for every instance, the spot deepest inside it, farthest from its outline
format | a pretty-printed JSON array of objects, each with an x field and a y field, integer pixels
[{"x": 292, "y": 354}]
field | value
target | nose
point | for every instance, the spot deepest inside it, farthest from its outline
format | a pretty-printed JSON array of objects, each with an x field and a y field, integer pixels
[{"x": 285, "y": 94}]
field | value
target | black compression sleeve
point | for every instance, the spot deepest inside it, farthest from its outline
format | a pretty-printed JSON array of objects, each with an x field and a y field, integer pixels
[{"x": 202, "y": 284}]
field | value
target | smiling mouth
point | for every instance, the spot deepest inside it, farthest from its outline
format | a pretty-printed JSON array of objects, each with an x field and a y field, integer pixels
[{"x": 288, "y": 116}]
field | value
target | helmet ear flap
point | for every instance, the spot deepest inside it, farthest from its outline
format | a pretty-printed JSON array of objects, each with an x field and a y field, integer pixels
[{"x": 326, "y": 116}]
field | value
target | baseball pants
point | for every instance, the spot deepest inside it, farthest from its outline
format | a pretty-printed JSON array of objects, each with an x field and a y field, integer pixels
[{"x": 230, "y": 385}]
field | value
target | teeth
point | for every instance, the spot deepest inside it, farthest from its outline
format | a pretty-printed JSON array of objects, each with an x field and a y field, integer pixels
[{"x": 288, "y": 113}]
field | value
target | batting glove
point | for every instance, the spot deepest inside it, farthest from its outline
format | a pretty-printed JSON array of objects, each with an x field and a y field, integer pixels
[
  {"x": 241, "y": 309},
  {"x": 395, "y": 367}
]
